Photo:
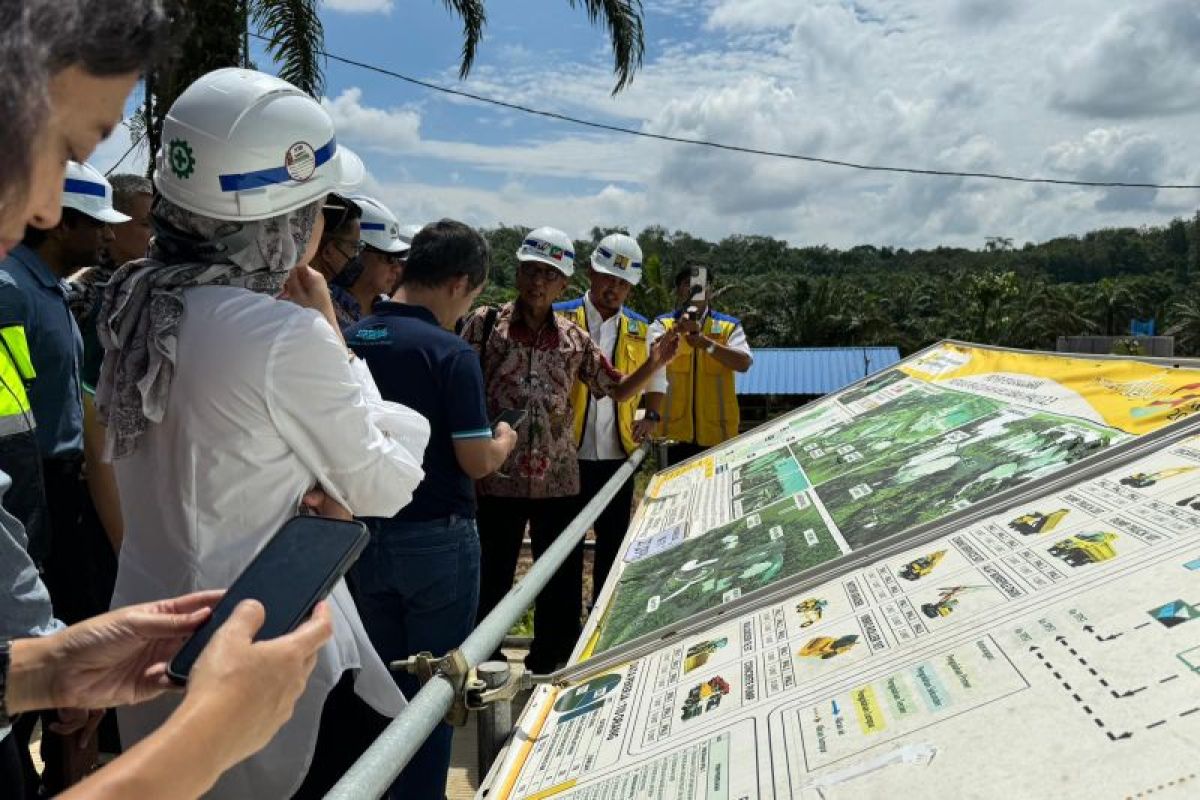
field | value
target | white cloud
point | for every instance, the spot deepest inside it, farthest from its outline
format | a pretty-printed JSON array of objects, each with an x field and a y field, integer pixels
[
  {"x": 373, "y": 127},
  {"x": 1142, "y": 61},
  {"x": 360, "y": 6}
]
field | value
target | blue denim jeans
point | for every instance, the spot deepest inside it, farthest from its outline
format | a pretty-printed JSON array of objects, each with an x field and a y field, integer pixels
[{"x": 417, "y": 586}]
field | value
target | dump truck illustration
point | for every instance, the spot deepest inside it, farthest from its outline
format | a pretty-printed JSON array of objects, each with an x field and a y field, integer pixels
[
  {"x": 1143, "y": 480},
  {"x": 1085, "y": 548},
  {"x": 698, "y": 654},
  {"x": 810, "y": 610},
  {"x": 920, "y": 567},
  {"x": 827, "y": 647},
  {"x": 704, "y": 697},
  {"x": 1037, "y": 522},
  {"x": 947, "y": 601}
]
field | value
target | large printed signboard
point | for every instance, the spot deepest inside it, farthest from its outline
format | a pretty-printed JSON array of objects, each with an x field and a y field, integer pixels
[
  {"x": 1043, "y": 650},
  {"x": 944, "y": 431}
]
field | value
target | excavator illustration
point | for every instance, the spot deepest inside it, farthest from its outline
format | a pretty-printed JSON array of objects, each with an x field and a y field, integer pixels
[
  {"x": 825, "y": 647},
  {"x": 920, "y": 567},
  {"x": 1037, "y": 522},
  {"x": 1144, "y": 480},
  {"x": 810, "y": 610},
  {"x": 947, "y": 601},
  {"x": 1085, "y": 548}
]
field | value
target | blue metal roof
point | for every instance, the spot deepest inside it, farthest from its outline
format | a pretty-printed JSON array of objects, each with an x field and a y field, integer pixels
[{"x": 812, "y": 370}]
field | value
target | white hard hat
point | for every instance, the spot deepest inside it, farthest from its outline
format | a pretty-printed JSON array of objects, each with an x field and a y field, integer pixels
[
  {"x": 407, "y": 232},
  {"x": 90, "y": 193},
  {"x": 620, "y": 256},
  {"x": 549, "y": 246},
  {"x": 243, "y": 145},
  {"x": 380, "y": 229}
]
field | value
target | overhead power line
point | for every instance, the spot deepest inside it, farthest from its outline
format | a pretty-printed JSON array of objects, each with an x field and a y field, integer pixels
[{"x": 832, "y": 162}]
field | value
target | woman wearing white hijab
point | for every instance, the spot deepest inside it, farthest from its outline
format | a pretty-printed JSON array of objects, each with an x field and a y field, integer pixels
[{"x": 226, "y": 405}]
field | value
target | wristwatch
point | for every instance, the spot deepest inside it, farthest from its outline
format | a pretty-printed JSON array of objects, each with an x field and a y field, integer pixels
[
  {"x": 653, "y": 415},
  {"x": 5, "y": 657}
]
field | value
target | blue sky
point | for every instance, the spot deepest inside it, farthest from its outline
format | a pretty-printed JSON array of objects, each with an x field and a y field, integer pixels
[{"x": 1097, "y": 89}]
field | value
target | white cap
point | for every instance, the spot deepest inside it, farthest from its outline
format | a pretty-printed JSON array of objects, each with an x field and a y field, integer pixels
[
  {"x": 90, "y": 193},
  {"x": 380, "y": 230},
  {"x": 243, "y": 145},
  {"x": 620, "y": 256},
  {"x": 549, "y": 246}
]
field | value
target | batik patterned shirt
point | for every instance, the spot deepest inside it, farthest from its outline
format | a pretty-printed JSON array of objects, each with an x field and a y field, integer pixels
[{"x": 535, "y": 371}]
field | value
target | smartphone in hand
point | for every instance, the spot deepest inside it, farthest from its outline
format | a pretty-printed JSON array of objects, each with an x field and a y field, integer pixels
[
  {"x": 296, "y": 569},
  {"x": 513, "y": 416}
]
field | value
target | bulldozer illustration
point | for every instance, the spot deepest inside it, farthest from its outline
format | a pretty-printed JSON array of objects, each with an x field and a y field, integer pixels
[
  {"x": 1037, "y": 522},
  {"x": 704, "y": 697},
  {"x": 810, "y": 610},
  {"x": 1144, "y": 480},
  {"x": 826, "y": 647},
  {"x": 1085, "y": 548},
  {"x": 920, "y": 567},
  {"x": 947, "y": 601}
]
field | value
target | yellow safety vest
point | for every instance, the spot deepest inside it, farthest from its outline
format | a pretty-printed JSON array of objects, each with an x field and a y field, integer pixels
[
  {"x": 702, "y": 404},
  {"x": 16, "y": 371},
  {"x": 630, "y": 354}
]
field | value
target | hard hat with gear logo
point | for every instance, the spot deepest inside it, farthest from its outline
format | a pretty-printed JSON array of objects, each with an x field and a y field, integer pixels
[
  {"x": 243, "y": 145},
  {"x": 620, "y": 256},
  {"x": 380, "y": 229},
  {"x": 549, "y": 246},
  {"x": 90, "y": 193}
]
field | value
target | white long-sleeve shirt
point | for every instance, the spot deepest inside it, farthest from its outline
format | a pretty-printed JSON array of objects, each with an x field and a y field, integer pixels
[{"x": 264, "y": 405}]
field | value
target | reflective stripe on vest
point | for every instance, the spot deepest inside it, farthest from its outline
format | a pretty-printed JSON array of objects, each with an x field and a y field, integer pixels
[
  {"x": 16, "y": 371},
  {"x": 715, "y": 418},
  {"x": 630, "y": 354}
]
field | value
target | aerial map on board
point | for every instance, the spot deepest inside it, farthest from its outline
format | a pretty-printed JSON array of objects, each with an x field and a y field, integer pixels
[
  {"x": 942, "y": 432},
  {"x": 1044, "y": 649}
]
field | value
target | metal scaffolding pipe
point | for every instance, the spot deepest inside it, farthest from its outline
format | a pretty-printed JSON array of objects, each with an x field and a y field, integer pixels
[{"x": 375, "y": 770}]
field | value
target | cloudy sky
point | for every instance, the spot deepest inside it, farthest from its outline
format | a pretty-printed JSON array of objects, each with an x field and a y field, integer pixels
[{"x": 1085, "y": 89}]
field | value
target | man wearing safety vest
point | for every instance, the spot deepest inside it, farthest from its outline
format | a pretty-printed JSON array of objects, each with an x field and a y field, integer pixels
[
  {"x": 695, "y": 393},
  {"x": 606, "y": 431}
]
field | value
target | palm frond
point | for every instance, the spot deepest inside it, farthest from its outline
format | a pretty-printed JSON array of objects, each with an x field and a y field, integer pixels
[
  {"x": 623, "y": 18},
  {"x": 294, "y": 38},
  {"x": 474, "y": 17}
]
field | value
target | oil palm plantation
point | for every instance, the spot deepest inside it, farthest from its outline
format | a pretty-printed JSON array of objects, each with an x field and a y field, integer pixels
[{"x": 221, "y": 30}]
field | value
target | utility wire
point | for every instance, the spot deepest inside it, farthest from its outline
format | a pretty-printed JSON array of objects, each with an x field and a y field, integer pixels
[{"x": 738, "y": 148}]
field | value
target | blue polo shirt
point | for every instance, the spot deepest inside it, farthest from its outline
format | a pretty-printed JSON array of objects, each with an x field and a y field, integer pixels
[
  {"x": 32, "y": 295},
  {"x": 416, "y": 363}
]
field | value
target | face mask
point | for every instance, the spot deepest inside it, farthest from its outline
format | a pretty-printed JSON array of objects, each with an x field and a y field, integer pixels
[{"x": 350, "y": 273}]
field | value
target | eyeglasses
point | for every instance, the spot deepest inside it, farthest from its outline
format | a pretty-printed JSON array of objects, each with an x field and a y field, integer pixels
[
  {"x": 536, "y": 274},
  {"x": 356, "y": 247}
]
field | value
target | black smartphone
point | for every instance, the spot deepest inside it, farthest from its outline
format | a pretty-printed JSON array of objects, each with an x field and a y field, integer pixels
[
  {"x": 513, "y": 416},
  {"x": 296, "y": 569}
]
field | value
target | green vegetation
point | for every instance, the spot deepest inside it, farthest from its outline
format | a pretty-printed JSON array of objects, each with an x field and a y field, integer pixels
[{"x": 1027, "y": 296}]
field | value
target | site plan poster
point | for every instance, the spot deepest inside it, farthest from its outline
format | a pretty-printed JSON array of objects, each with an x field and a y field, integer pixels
[
  {"x": 1043, "y": 650},
  {"x": 942, "y": 432}
]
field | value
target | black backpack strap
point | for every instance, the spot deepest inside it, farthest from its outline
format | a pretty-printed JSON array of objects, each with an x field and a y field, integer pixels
[{"x": 489, "y": 323}]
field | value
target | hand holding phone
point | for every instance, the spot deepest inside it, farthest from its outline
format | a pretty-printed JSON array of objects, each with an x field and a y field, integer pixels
[
  {"x": 296, "y": 569},
  {"x": 513, "y": 416}
]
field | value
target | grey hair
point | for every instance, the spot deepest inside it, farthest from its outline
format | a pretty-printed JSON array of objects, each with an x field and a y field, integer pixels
[
  {"x": 107, "y": 37},
  {"x": 39, "y": 38},
  {"x": 127, "y": 186}
]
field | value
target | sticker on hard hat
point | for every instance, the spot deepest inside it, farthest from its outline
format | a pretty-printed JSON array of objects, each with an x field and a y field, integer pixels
[
  {"x": 621, "y": 262},
  {"x": 547, "y": 249},
  {"x": 300, "y": 161}
]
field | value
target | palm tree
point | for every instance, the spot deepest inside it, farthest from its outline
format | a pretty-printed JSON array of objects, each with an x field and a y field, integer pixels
[{"x": 294, "y": 37}]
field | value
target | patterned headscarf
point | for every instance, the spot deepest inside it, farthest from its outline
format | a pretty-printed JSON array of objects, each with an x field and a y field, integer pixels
[{"x": 143, "y": 303}]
